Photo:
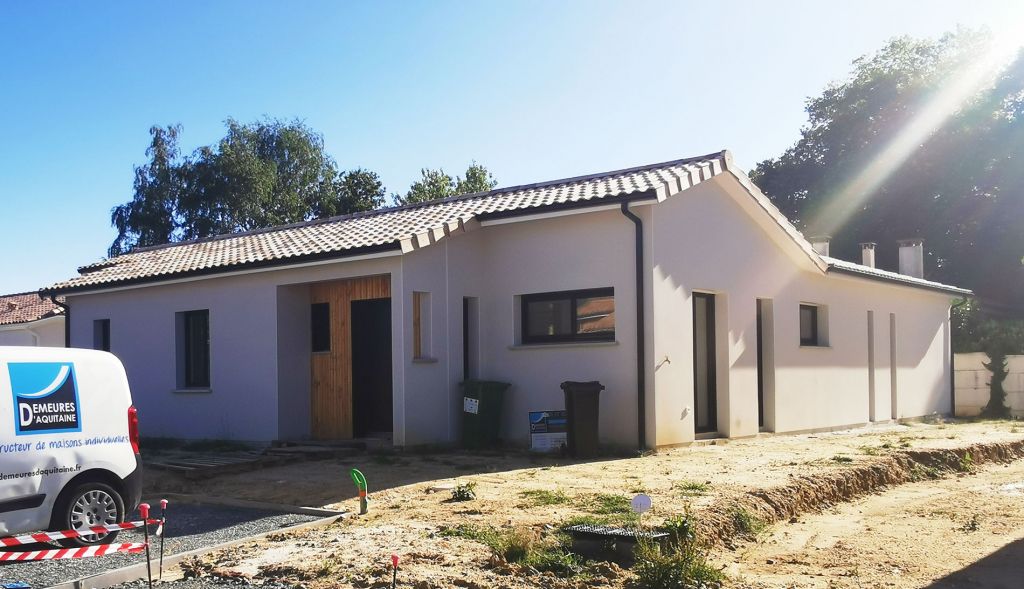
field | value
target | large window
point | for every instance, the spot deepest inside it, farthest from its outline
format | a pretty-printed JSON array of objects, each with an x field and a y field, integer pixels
[
  {"x": 813, "y": 325},
  {"x": 580, "y": 315},
  {"x": 195, "y": 348}
]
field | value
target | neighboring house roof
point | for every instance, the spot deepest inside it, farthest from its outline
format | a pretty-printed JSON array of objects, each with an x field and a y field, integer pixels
[
  {"x": 410, "y": 227},
  {"x": 407, "y": 227},
  {"x": 26, "y": 307}
]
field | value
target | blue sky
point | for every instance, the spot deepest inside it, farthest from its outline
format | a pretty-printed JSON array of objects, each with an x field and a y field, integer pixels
[{"x": 533, "y": 90}]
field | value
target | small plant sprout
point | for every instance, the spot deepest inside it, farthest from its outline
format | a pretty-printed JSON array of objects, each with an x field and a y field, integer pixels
[
  {"x": 966, "y": 463},
  {"x": 464, "y": 492}
]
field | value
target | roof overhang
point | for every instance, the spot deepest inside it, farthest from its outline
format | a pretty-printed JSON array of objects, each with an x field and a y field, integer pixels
[{"x": 353, "y": 255}]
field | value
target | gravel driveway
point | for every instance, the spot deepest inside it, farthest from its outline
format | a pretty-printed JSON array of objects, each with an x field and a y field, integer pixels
[{"x": 189, "y": 527}]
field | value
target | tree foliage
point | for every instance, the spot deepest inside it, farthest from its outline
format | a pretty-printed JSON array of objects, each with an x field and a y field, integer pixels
[
  {"x": 259, "y": 175},
  {"x": 961, "y": 188},
  {"x": 437, "y": 184}
]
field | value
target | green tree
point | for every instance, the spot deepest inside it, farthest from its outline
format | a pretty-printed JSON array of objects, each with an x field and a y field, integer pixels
[
  {"x": 958, "y": 184},
  {"x": 437, "y": 184},
  {"x": 259, "y": 175},
  {"x": 148, "y": 219}
]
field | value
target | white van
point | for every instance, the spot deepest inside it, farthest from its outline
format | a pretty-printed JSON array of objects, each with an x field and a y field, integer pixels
[{"x": 69, "y": 442}]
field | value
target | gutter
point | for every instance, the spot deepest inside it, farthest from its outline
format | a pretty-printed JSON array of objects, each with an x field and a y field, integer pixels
[
  {"x": 641, "y": 376},
  {"x": 67, "y": 319}
]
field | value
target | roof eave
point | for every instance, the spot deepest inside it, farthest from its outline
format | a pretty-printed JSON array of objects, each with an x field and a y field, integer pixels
[
  {"x": 279, "y": 263},
  {"x": 933, "y": 286}
]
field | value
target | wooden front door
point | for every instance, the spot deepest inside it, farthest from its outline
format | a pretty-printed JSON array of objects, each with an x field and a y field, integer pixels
[{"x": 331, "y": 390}]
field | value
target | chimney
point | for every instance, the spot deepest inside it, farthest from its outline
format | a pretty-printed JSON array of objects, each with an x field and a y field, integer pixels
[
  {"x": 867, "y": 254},
  {"x": 820, "y": 244},
  {"x": 912, "y": 257}
]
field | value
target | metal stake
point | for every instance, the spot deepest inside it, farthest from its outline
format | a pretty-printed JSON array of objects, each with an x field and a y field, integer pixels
[
  {"x": 144, "y": 512},
  {"x": 162, "y": 531}
]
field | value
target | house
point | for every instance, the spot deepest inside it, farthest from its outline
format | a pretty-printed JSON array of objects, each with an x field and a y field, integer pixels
[
  {"x": 678, "y": 285},
  {"x": 27, "y": 319}
]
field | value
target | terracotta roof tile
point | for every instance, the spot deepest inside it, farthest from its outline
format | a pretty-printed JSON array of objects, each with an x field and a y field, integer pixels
[
  {"x": 384, "y": 228},
  {"x": 26, "y": 307}
]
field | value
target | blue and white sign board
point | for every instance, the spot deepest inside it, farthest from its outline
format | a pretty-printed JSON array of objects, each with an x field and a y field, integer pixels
[{"x": 548, "y": 431}]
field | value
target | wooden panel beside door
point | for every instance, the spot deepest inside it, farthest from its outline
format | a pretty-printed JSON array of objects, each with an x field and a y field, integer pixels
[{"x": 331, "y": 385}]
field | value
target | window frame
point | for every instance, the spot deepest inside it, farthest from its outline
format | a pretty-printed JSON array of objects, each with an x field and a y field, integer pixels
[
  {"x": 815, "y": 340},
  {"x": 191, "y": 379},
  {"x": 573, "y": 296}
]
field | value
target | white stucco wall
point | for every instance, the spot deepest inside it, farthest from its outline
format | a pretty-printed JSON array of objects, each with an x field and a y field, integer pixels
[
  {"x": 972, "y": 382},
  {"x": 45, "y": 332},
  {"x": 740, "y": 257}
]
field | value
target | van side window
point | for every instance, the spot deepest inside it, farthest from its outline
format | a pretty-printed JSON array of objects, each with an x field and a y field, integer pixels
[
  {"x": 193, "y": 343},
  {"x": 101, "y": 335}
]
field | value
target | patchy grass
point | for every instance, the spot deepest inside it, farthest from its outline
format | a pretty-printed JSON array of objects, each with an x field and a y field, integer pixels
[
  {"x": 683, "y": 564},
  {"x": 539, "y": 497},
  {"x": 523, "y": 546},
  {"x": 747, "y": 524},
  {"x": 870, "y": 450},
  {"x": 839, "y": 458},
  {"x": 692, "y": 488},
  {"x": 608, "y": 504}
]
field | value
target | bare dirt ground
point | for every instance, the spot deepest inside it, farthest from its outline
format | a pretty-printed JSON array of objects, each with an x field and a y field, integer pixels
[
  {"x": 775, "y": 477},
  {"x": 960, "y": 531}
]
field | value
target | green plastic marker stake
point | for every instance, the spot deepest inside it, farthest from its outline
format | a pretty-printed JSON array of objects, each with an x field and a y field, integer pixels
[{"x": 360, "y": 481}]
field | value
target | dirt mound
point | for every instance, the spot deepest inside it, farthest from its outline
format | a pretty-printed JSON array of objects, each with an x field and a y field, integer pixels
[{"x": 725, "y": 524}]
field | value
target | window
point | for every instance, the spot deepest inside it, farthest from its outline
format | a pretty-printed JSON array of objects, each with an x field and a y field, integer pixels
[
  {"x": 194, "y": 348},
  {"x": 320, "y": 326},
  {"x": 101, "y": 335},
  {"x": 571, "y": 316},
  {"x": 813, "y": 325},
  {"x": 421, "y": 325}
]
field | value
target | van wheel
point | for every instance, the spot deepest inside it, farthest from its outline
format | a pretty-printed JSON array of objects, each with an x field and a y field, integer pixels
[{"x": 89, "y": 504}]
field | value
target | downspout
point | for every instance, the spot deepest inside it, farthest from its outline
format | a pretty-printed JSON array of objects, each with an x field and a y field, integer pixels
[
  {"x": 67, "y": 319},
  {"x": 952, "y": 358},
  {"x": 641, "y": 377}
]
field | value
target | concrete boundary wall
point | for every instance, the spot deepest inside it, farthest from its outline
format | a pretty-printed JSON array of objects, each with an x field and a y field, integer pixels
[{"x": 971, "y": 381}]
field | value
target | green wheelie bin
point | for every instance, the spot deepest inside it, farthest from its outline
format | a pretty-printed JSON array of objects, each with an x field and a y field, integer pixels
[{"x": 481, "y": 412}]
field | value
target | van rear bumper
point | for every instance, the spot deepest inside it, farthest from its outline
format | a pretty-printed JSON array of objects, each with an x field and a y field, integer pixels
[{"x": 133, "y": 488}]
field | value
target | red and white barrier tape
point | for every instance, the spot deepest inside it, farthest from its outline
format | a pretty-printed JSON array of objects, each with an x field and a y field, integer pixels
[
  {"x": 63, "y": 553},
  {"x": 52, "y": 536}
]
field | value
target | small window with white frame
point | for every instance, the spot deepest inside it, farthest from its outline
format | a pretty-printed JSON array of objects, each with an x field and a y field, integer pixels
[{"x": 813, "y": 325}]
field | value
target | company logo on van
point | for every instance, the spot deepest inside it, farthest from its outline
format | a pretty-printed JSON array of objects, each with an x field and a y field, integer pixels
[{"x": 45, "y": 397}]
